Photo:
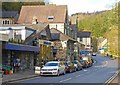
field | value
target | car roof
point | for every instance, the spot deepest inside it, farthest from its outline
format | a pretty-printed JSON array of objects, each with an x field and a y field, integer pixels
[{"x": 53, "y": 62}]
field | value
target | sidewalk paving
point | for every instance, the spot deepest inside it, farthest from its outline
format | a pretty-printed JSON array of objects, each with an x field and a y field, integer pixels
[{"x": 19, "y": 76}]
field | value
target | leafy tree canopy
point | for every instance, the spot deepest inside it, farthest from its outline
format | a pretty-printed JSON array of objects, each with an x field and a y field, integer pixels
[{"x": 100, "y": 23}]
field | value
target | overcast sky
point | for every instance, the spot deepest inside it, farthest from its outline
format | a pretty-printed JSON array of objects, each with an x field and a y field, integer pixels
[{"x": 75, "y": 6}]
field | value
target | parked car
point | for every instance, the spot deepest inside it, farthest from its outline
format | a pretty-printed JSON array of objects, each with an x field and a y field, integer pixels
[
  {"x": 94, "y": 54},
  {"x": 84, "y": 63},
  {"x": 53, "y": 68},
  {"x": 88, "y": 59},
  {"x": 77, "y": 64},
  {"x": 69, "y": 66}
]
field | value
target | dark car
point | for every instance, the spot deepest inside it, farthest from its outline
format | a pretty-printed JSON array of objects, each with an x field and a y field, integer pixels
[
  {"x": 69, "y": 66},
  {"x": 77, "y": 64},
  {"x": 84, "y": 63}
]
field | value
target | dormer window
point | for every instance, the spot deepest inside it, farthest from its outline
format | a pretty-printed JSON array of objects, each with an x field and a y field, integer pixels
[{"x": 50, "y": 18}]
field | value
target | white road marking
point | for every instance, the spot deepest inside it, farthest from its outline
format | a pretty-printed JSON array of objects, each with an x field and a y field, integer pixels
[
  {"x": 85, "y": 70},
  {"x": 66, "y": 80},
  {"x": 78, "y": 75},
  {"x": 111, "y": 78}
]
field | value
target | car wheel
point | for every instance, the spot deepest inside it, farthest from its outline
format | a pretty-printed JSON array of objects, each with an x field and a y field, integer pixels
[
  {"x": 64, "y": 72},
  {"x": 75, "y": 69},
  {"x": 58, "y": 73},
  {"x": 79, "y": 69},
  {"x": 70, "y": 70}
]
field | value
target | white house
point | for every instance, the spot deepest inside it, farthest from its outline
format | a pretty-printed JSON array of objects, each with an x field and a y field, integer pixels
[
  {"x": 16, "y": 32},
  {"x": 8, "y": 17},
  {"x": 84, "y": 37},
  {"x": 56, "y": 16}
]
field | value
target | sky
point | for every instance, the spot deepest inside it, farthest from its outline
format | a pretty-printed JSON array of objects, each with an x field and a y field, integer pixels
[{"x": 75, "y": 6}]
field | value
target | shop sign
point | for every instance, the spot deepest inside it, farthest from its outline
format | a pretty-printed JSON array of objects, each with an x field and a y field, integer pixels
[{"x": 45, "y": 42}]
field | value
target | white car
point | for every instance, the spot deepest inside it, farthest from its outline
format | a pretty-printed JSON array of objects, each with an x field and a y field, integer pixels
[
  {"x": 94, "y": 54},
  {"x": 53, "y": 68}
]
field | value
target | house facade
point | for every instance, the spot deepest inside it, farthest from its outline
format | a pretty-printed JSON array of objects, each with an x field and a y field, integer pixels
[
  {"x": 8, "y": 17},
  {"x": 64, "y": 45},
  {"x": 41, "y": 39},
  {"x": 17, "y": 32},
  {"x": 84, "y": 37},
  {"x": 12, "y": 52},
  {"x": 56, "y": 16}
]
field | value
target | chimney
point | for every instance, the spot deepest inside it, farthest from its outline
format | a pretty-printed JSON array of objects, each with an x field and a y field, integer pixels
[{"x": 34, "y": 20}]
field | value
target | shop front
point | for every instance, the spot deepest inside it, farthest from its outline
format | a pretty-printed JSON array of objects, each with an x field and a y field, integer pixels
[
  {"x": 19, "y": 57},
  {"x": 46, "y": 51}
]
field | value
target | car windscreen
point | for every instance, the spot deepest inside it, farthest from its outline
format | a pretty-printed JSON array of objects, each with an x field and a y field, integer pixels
[
  {"x": 51, "y": 64},
  {"x": 75, "y": 62},
  {"x": 82, "y": 61},
  {"x": 66, "y": 64}
]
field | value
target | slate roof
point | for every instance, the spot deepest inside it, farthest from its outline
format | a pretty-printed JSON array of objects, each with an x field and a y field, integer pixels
[
  {"x": 8, "y": 14},
  {"x": 39, "y": 28},
  {"x": 42, "y": 12},
  {"x": 55, "y": 36},
  {"x": 63, "y": 37},
  {"x": 73, "y": 26},
  {"x": 84, "y": 34}
]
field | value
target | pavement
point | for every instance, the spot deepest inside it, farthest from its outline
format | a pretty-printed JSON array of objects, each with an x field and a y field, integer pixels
[{"x": 19, "y": 76}]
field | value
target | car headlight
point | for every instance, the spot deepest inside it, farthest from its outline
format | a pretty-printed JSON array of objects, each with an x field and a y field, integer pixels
[{"x": 55, "y": 69}]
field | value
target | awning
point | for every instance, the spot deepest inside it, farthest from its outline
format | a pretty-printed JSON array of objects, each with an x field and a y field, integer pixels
[{"x": 12, "y": 46}]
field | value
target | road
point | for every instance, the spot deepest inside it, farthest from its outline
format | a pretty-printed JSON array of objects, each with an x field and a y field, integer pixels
[{"x": 101, "y": 71}]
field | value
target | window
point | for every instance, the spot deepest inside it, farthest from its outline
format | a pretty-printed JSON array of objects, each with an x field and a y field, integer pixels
[
  {"x": 50, "y": 18},
  {"x": 6, "y": 22},
  {"x": 81, "y": 39},
  {"x": 3, "y": 22}
]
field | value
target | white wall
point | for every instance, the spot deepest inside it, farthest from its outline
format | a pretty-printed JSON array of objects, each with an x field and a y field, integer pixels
[
  {"x": 85, "y": 41},
  {"x": 23, "y": 34},
  {"x": 20, "y": 30},
  {"x": 58, "y": 26},
  {"x": 3, "y": 37},
  {"x": 64, "y": 44},
  {"x": 6, "y": 19}
]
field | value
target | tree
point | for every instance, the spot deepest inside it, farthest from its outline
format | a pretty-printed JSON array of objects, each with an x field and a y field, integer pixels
[{"x": 16, "y": 6}]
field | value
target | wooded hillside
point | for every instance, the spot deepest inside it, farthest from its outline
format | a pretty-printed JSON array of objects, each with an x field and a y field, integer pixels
[{"x": 104, "y": 24}]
